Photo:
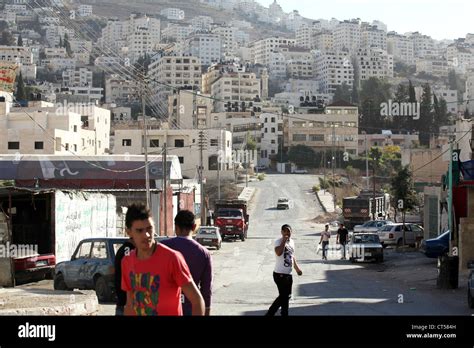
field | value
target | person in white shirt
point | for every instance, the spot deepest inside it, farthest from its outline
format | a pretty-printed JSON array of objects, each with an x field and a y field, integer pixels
[
  {"x": 325, "y": 236},
  {"x": 285, "y": 261}
]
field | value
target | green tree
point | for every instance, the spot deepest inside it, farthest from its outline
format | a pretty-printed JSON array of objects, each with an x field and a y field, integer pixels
[
  {"x": 20, "y": 41},
  {"x": 355, "y": 95},
  {"x": 453, "y": 79},
  {"x": 302, "y": 156},
  {"x": 20, "y": 88},
  {"x": 7, "y": 38},
  {"x": 67, "y": 45},
  {"x": 440, "y": 114},
  {"x": 373, "y": 93},
  {"x": 60, "y": 42},
  {"x": 342, "y": 92},
  {"x": 425, "y": 125},
  {"x": 467, "y": 116},
  {"x": 404, "y": 196},
  {"x": 250, "y": 144}
]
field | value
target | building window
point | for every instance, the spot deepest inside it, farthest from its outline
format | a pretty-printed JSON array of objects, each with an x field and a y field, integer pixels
[
  {"x": 179, "y": 143},
  {"x": 39, "y": 145},
  {"x": 214, "y": 142},
  {"x": 316, "y": 137},
  {"x": 299, "y": 137},
  {"x": 127, "y": 142},
  {"x": 75, "y": 129},
  {"x": 67, "y": 147},
  {"x": 273, "y": 130},
  {"x": 181, "y": 159},
  {"x": 154, "y": 143},
  {"x": 75, "y": 148},
  {"x": 13, "y": 145}
]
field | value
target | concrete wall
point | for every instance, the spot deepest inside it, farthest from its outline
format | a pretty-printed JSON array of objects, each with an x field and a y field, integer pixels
[
  {"x": 466, "y": 242},
  {"x": 6, "y": 279}
]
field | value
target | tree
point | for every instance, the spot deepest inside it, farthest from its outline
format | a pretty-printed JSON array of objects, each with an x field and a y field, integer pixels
[
  {"x": 403, "y": 194},
  {"x": 342, "y": 92},
  {"x": 7, "y": 38},
  {"x": 20, "y": 89},
  {"x": 302, "y": 156},
  {"x": 373, "y": 93},
  {"x": 426, "y": 122},
  {"x": 467, "y": 116},
  {"x": 67, "y": 45},
  {"x": 355, "y": 95},
  {"x": 250, "y": 144},
  {"x": 20, "y": 41},
  {"x": 453, "y": 79},
  {"x": 60, "y": 42},
  {"x": 440, "y": 113}
]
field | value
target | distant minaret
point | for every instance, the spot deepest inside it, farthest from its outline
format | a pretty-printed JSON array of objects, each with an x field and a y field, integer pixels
[{"x": 264, "y": 82}]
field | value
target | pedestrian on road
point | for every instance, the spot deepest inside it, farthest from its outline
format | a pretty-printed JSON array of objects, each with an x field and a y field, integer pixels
[
  {"x": 342, "y": 237},
  {"x": 154, "y": 275},
  {"x": 197, "y": 257},
  {"x": 125, "y": 249},
  {"x": 325, "y": 236},
  {"x": 285, "y": 261}
]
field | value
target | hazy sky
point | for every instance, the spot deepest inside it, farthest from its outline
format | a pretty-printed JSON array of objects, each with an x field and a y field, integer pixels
[{"x": 442, "y": 19}]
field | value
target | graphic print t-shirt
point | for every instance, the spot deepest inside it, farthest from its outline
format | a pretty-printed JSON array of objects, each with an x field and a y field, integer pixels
[
  {"x": 284, "y": 262},
  {"x": 156, "y": 282}
]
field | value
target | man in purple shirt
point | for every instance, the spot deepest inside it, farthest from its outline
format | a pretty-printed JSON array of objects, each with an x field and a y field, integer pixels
[{"x": 197, "y": 257}]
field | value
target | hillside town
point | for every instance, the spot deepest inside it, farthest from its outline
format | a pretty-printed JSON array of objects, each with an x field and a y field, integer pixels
[{"x": 229, "y": 106}]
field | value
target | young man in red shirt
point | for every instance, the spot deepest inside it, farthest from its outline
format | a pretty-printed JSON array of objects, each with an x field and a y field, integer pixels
[{"x": 153, "y": 275}]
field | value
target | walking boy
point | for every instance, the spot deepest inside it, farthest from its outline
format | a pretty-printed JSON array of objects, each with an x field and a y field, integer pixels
[
  {"x": 325, "y": 236},
  {"x": 342, "y": 234}
]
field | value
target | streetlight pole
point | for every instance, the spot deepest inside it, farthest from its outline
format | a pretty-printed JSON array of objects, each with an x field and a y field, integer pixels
[{"x": 145, "y": 140}]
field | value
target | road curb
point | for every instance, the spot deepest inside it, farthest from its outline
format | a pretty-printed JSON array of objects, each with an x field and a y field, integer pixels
[
  {"x": 84, "y": 303},
  {"x": 321, "y": 203},
  {"x": 247, "y": 194}
]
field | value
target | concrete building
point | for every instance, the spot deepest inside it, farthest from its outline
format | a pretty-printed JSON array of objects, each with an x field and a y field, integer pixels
[
  {"x": 434, "y": 66},
  {"x": 261, "y": 50},
  {"x": 451, "y": 97},
  {"x": 202, "y": 23},
  {"x": 228, "y": 39},
  {"x": 401, "y": 47},
  {"x": 372, "y": 37},
  {"x": 81, "y": 77},
  {"x": 84, "y": 133},
  {"x": 299, "y": 62},
  {"x": 23, "y": 56},
  {"x": 277, "y": 65},
  {"x": 176, "y": 70},
  {"x": 386, "y": 138},
  {"x": 189, "y": 111},
  {"x": 177, "y": 33},
  {"x": 334, "y": 127},
  {"x": 120, "y": 90},
  {"x": 91, "y": 94},
  {"x": 174, "y": 14},
  {"x": 461, "y": 59},
  {"x": 347, "y": 35},
  {"x": 322, "y": 41},
  {"x": 206, "y": 46},
  {"x": 181, "y": 143},
  {"x": 469, "y": 94},
  {"x": 84, "y": 10},
  {"x": 304, "y": 36},
  {"x": 333, "y": 69},
  {"x": 372, "y": 62},
  {"x": 60, "y": 64},
  {"x": 422, "y": 44},
  {"x": 271, "y": 139}
]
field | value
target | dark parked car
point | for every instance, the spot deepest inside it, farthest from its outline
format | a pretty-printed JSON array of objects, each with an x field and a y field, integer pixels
[
  {"x": 91, "y": 267},
  {"x": 436, "y": 247},
  {"x": 365, "y": 246}
]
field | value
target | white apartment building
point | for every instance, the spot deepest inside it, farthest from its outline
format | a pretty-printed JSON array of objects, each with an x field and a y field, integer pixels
[
  {"x": 175, "y": 71},
  {"x": 22, "y": 56},
  {"x": 49, "y": 20},
  {"x": 299, "y": 62},
  {"x": 120, "y": 90},
  {"x": 203, "y": 23},
  {"x": 207, "y": 47},
  {"x": 177, "y": 32},
  {"x": 304, "y": 36},
  {"x": 461, "y": 59},
  {"x": 336, "y": 127},
  {"x": 139, "y": 44},
  {"x": 84, "y": 10},
  {"x": 181, "y": 143},
  {"x": 423, "y": 44},
  {"x": 371, "y": 37},
  {"x": 15, "y": 8},
  {"x": 333, "y": 69},
  {"x": 66, "y": 131},
  {"x": 347, "y": 35},
  {"x": 469, "y": 95},
  {"x": 293, "y": 99},
  {"x": 451, "y": 97},
  {"x": 56, "y": 32},
  {"x": 322, "y": 41},
  {"x": 373, "y": 62},
  {"x": 60, "y": 64},
  {"x": 81, "y": 77},
  {"x": 277, "y": 65},
  {"x": 114, "y": 35},
  {"x": 380, "y": 25},
  {"x": 92, "y": 94},
  {"x": 300, "y": 86},
  {"x": 106, "y": 62},
  {"x": 235, "y": 87},
  {"x": 294, "y": 21},
  {"x": 271, "y": 137},
  {"x": 261, "y": 49},
  {"x": 229, "y": 39},
  {"x": 434, "y": 66},
  {"x": 215, "y": 71},
  {"x": 174, "y": 14},
  {"x": 401, "y": 47}
]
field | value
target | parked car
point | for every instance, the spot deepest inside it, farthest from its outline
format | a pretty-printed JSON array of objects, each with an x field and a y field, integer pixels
[
  {"x": 365, "y": 246},
  {"x": 436, "y": 247},
  {"x": 470, "y": 285},
  {"x": 209, "y": 236},
  {"x": 372, "y": 226},
  {"x": 392, "y": 234},
  {"x": 91, "y": 267},
  {"x": 300, "y": 171},
  {"x": 34, "y": 267},
  {"x": 283, "y": 203}
]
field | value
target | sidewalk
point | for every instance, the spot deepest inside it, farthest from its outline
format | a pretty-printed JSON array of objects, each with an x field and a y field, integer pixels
[
  {"x": 37, "y": 301},
  {"x": 326, "y": 200}
]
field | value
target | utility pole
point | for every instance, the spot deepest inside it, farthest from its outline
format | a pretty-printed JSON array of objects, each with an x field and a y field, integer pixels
[
  {"x": 367, "y": 162},
  {"x": 333, "y": 163},
  {"x": 202, "y": 140},
  {"x": 145, "y": 140},
  {"x": 219, "y": 165},
  {"x": 165, "y": 188},
  {"x": 374, "y": 205},
  {"x": 450, "y": 199}
]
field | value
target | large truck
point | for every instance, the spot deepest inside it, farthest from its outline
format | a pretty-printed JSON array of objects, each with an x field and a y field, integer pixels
[
  {"x": 359, "y": 209},
  {"x": 232, "y": 219}
]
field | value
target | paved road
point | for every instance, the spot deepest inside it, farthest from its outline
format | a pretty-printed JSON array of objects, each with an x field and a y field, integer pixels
[{"x": 243, "y": 270}]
